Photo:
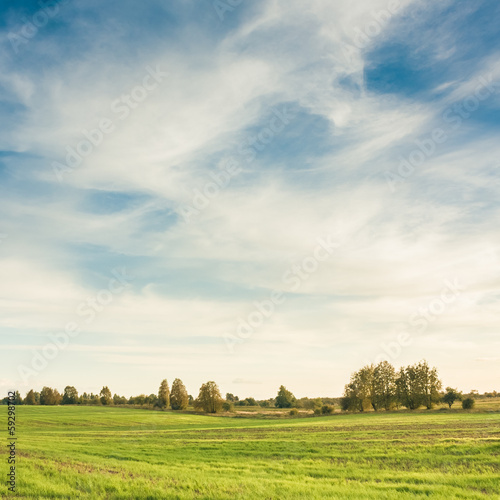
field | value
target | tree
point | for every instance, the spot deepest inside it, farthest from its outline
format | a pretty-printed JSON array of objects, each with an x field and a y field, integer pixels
[
  {"x": 209, "y": 398},
  {"x": 119, "y": 400},
  {"x": 18, "y": 400},
  {"x": 409, "y": 387},
  {"x": 178, "y": 396},
  {"x": 384, "y": 385},
  {"x": 70, "y": 396},
  {"x": 418, "y": 385},
  {"x": 142, "y": 399},
  {"x": 30, "y": 398},
  {"x": 366, "y": 385},
  {"x": 164, "y": 395},
  {"x": 284, "y": 399},
  {"x": 230, "y": 397},
  {"x": 311, "y": 404},
  {"x": 468, "y": 404},
  {"x": 346, "y": 402},
  {"x": 47, "y": 396},
  {"x": 95, "y": 400},
  {"x": 359, "y": 392},
  {"x": 152, "y": 399},
  {"x": 57, "y": 397},
  {"x": 451, "y": 396},
  {"x": 431, "y": 384},
  {"x": 105, "y": 396}
]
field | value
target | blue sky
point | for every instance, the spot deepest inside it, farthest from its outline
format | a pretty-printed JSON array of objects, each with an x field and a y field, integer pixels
[{"x": 342, "y": 157}]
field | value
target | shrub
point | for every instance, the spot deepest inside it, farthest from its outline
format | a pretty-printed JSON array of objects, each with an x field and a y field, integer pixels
[
  {"x": 317, "y": 411},
  {"x": 294, "y": 412},
  {"x": 468, "y": 404},
  {"x": 228, "y": 406},
  {"x": 327, "y": 409}
]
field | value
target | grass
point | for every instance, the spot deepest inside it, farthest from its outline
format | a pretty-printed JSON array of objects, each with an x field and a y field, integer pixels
[{"x": 96, "y": 452}]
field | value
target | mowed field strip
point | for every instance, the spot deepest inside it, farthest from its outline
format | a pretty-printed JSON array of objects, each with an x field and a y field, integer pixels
[{"x": 106, "y": 452}]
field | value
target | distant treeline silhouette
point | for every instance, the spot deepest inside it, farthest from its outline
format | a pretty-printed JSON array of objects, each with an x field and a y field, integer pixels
[{"x": 373, "y": 387}]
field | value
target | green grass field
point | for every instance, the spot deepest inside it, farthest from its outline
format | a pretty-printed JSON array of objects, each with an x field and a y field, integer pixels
[{"x": 96, "y": 452}]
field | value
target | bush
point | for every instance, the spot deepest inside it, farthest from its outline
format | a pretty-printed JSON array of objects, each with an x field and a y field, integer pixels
[
  {"x": 327, "y": 409},
  {"x": 228, "y": 406},
  {"x": 294, "y": 412},
  {"x": 317, "y": 411},
  {"x": 468, "y": 404}
]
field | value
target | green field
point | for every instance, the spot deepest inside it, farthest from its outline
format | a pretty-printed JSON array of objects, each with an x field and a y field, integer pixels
[{"x": 102, "y": 452}]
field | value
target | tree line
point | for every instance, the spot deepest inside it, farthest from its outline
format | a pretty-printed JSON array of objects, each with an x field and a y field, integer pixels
[
  {"x": 177, "y": 399},
  {"x": 373, "y": 387},
  {"x": 382, "y": 387}
]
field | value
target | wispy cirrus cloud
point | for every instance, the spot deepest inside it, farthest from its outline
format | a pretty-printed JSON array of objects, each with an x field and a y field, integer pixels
[{"x": 358, "y": 109}]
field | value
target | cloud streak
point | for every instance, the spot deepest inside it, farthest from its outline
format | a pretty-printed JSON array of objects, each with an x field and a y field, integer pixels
[{"x": 358, "y": 109}]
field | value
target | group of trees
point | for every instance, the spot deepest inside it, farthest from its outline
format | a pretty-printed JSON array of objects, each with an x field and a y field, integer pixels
[
  {"x": 177, "y": 400},
  {"x": 382, "y": 387},
  {"x": 285, "y": 399},
  {"x": 50, "y": 396},
  {"x": 372, "y": 387},
  {"x": 451, "y": 395}
]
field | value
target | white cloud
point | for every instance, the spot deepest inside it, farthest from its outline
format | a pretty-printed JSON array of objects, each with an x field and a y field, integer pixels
[{"x": 397, "y": 248}]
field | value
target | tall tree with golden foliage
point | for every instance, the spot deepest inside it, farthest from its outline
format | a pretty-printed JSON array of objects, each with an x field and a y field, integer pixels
[
  {"x": 209, "y": 398},
  {"x": 179, "y": 398},
  {"x": 164, "y": 395}
]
